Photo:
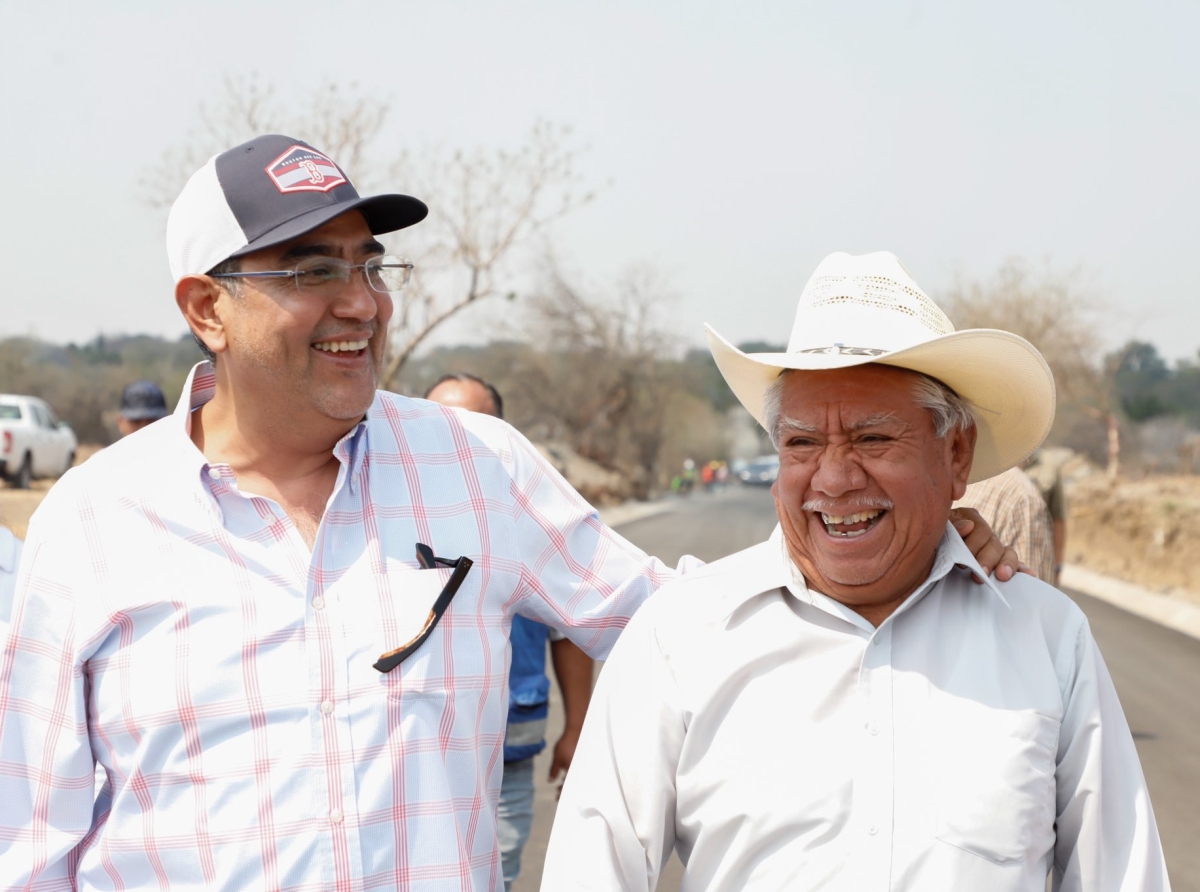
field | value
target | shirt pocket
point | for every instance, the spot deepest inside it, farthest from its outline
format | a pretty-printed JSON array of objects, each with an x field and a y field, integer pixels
[{"x": 996, "y": 790}]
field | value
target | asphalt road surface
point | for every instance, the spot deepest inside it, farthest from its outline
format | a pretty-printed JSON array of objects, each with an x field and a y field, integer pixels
[{"x": 1156, "y": 671}]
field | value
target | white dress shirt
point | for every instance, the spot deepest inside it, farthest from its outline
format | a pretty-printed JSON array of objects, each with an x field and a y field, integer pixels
[
  {"x": 778, "y": 740},
  {"x": 180, "y": 632}
]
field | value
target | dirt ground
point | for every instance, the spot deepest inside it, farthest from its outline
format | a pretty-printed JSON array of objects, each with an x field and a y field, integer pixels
[{"x": 1144, "y": 531}]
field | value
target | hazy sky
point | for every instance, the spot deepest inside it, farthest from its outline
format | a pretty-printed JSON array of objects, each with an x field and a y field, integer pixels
[{"x": 740, "y": 142}]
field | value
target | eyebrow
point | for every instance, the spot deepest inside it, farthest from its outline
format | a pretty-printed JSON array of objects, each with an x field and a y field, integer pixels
[
  {"x": 787, "y": 423},
  {"x": 879, "y": 418},
  {"x": 299, "y": 252}
]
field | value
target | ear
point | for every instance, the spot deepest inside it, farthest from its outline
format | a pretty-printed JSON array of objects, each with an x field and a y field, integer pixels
[
  {"x": 199, "y": 298},
  {"x": 962, "y": 455}
]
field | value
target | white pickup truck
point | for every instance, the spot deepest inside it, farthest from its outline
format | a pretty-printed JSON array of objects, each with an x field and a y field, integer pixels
[{"x": 33, "y": 442}]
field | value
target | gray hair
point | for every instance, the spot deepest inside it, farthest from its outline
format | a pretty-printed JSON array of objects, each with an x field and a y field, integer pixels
[{"x": 950, "y": 411}]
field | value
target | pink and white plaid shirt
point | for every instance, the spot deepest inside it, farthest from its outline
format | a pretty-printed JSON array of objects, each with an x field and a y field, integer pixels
[{"x": 181, "y": 634}]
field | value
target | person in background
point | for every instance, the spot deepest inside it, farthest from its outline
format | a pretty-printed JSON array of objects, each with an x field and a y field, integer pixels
[
  {"x": 10, "y": 555},
  {"x": 1047, "y": 477},
  {"x": 1015, "y": 511},
  {"x": 528, "y": 686},
  {"x": 142, "y": 403}
]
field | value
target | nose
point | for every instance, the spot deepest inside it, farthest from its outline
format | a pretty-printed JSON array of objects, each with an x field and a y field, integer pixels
[
  {"x": 357, "y": 300},
  {"x": 838, "y": 472}
]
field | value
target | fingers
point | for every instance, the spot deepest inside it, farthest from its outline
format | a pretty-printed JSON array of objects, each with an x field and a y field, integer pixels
[{"x": 992, "y": 554}]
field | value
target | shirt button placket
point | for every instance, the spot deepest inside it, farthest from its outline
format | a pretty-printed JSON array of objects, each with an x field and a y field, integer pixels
[{"x": 879, "y": 763}]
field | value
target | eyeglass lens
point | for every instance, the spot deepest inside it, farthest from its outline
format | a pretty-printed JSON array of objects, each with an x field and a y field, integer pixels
[{"x": 385, "y": 274}]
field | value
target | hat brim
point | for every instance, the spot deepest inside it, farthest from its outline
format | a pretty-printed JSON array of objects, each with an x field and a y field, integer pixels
[
  {"x": 383, "y": 213},
  {"x": 1003, "y": 376}
]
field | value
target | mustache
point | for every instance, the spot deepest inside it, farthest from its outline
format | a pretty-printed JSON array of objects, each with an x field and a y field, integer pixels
[{"x": 841, "y": 509}]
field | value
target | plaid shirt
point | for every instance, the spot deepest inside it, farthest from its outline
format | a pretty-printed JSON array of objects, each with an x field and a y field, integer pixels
[
  {"x": 182, "y": 635},
  {"x": 1015, "y": 511}
]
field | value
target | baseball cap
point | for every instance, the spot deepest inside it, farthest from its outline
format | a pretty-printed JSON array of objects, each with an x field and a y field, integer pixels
[
  {"x": 143, "y": 400},
  {"x": 264, "y": 192}
]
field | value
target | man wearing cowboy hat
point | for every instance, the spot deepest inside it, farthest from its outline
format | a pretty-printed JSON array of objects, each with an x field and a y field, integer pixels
[{"x": 838, "y": 708}]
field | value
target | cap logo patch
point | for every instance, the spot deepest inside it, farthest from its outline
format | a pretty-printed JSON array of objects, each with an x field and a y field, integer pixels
[{"x": 301, "y": 169}]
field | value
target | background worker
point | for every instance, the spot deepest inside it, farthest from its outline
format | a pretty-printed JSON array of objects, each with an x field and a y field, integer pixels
[
  {"x": 528, "y": 686},
  {"x": 142, "y": 403},
  {"x": 1046, "y": 475},
  {"x": 1015, "y": 511}
]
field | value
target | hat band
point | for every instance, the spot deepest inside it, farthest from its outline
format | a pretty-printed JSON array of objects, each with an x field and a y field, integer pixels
[{"x": 843, "y": 350}]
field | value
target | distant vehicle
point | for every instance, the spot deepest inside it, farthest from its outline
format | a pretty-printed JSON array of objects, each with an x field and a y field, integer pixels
[
  {"x": 761, "y": 471},
  {"x": 33, "y": 442}
]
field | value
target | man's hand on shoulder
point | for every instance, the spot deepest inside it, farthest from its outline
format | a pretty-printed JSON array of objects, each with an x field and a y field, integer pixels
[{"x": 993, "y": 555}]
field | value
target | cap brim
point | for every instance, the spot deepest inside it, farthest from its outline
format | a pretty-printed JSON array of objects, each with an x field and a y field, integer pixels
[
  {"x": 383, "y": 213},
  {"x": 1002, "y": 375}
]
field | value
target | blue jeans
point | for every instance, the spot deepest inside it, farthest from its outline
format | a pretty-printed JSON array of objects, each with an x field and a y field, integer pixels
[{"x": 514, "y": 816}]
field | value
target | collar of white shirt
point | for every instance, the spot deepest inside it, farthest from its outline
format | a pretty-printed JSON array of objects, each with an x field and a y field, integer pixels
[{"x": 771, "y": 568}]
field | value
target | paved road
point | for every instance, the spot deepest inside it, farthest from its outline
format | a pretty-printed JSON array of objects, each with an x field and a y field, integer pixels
[{"x": 1155, "y": 669}]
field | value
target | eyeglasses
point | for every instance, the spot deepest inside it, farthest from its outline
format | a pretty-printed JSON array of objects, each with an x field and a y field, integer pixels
[
  {"x": 315, "y": 274},
  {"x": 425, "y": 558}
]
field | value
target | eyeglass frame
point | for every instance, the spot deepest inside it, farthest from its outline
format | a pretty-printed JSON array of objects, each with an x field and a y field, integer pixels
[
  {"x": 294, "y": 273},
  {"x": 425, "y": 557}
]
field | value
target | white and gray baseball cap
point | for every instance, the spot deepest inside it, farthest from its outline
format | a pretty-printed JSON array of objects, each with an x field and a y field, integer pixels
[{"x": 264, "y": 192}]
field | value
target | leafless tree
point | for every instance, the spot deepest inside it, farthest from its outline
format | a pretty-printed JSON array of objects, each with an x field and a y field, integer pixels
[
  {"x": 600, "y": 376},
  {"x": 341, "y": 121},
  {"x": 1059, "y": 315},
  {"x": 484, "y": 206}
]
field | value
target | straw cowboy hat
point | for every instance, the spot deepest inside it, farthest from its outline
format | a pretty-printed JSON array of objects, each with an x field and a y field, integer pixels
[{"x": 861, "y": 309}]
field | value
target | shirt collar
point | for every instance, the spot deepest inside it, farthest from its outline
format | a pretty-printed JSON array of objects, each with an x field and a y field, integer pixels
[{"x": 201, "y": 386}]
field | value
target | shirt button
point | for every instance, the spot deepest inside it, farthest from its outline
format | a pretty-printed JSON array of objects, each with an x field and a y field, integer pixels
[
  {"x": 872, "y": 729},
  {"x": 878, "y": 641},
  {"x": 327, "y": 706},
  {"x": 214, "y": 473},
  {"x": 872, "y": 830},
  {"x": 336, "y": 816},
  {"x": 318, "y": 603}
]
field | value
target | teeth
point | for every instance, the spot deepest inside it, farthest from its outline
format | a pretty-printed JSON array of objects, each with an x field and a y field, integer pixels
[
  {"x": 830, "y": 519},
  {"x": 341, "y": 346}
]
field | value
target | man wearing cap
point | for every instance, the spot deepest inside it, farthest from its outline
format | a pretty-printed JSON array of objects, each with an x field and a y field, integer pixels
[
  {"x": 279, "y": 619},
  {"x": 838, "y": 708},
  {"x": 142, "y": 403}
]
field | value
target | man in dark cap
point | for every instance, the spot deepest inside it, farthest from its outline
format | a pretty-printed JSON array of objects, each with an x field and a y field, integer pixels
[{"x": 142, "y": 402}]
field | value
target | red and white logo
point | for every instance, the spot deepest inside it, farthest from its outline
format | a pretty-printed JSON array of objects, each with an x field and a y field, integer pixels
[{"x": 301, "y": 169}]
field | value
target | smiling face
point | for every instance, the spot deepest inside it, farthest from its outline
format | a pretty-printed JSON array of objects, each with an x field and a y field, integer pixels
[
  {"x": 865, "y": 485},
  {"x": 301, "y": 352}
]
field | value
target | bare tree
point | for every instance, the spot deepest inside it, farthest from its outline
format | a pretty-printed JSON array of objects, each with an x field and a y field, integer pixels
[
  {"x": 485, "y": 205},
  {"x": 1056, "y": 313},
  {"x": 600, "y": 376},
  {"x": 341, "y": 121}
]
